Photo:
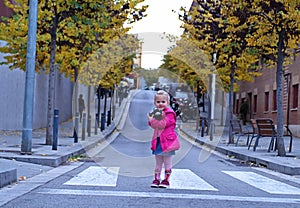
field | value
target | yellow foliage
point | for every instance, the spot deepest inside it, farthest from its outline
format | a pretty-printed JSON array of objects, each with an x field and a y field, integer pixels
[{"x": 82, "y": 29}]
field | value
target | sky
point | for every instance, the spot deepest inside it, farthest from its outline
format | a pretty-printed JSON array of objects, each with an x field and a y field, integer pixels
[{"x": 151, "y": 30}]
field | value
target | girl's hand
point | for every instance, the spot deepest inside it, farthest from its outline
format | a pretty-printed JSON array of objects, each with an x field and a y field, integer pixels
[{"x": 149, "y": 117}]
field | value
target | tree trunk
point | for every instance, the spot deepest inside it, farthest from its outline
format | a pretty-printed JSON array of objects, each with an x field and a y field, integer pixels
[
  {"x": 279, "y": 74},
  {"x": 230, "y": 109},
  {"x": 51, "y": 86}
]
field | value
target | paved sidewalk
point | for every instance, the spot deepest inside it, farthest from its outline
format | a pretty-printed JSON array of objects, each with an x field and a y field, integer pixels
[
  {"x": 287, "y": 165},
  {"x": 14, "y": 166}
]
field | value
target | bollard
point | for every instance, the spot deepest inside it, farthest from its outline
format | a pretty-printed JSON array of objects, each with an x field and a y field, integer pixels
[
  {"x": 75, "y": 135},
  {"x": 89, "y": 125},
  {"x": 113, "y": 112},
  {"x": 96, "y": 124},
  {"x": 108, "y": 118},
  {"x": 55, "y": 129},
  {"x": 202, "y": 126},
  {"x": 102, "y": 126},
  {"x": 83, "y": 126}
]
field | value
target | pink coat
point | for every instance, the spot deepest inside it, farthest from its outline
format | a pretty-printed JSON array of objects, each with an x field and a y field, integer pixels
[{"x": 165, "y": 129}]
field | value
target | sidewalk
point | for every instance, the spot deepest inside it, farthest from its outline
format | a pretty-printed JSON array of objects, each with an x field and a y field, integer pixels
[
  {"x": 14, "y": 166},
  {"x": 261, "y": 157}
]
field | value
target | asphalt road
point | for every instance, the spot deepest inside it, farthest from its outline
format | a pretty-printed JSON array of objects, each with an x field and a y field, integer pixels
[{"x": 120, "y": 176}]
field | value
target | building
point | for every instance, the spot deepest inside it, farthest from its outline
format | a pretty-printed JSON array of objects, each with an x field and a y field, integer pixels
[
  {"x": 4, "y": 11},
  {"x": 261, "y": 95}
]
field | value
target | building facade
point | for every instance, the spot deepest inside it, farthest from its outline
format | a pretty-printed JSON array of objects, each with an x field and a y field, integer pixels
[{"x": 261, "y": 95}]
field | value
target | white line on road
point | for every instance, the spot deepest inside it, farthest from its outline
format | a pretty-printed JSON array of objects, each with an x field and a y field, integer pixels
[
  {"x": 107, "y": 176},
  {"x": 186, "y": 179},
  {"x": 96, "y": 176},
  {"x": 166, "y": 195},
  {"x": 264, "y": 183}
]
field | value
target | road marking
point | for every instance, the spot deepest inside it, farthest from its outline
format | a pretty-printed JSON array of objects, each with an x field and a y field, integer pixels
[
  {"x": 266, "y": 184},
  {"x": 107, "y": 176},
  {"x": 186, "y": 179},
  {"x": 96, "y": 176},
  {"x": 166, "y": 195}
]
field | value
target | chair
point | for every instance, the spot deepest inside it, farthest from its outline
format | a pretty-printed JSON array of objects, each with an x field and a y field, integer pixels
[
  {"x": 254, "y": 131},
  {"x": 266, "y": 128},
  {"x": 289, "y": 133},
  {"x": 237, "y": 130}
]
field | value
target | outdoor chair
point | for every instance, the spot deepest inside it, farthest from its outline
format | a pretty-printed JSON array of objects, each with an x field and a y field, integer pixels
[
  {"x": 237, "y": 130},
  {"x": 254, "y": 131},
  {"x": 266, "y": 128}
]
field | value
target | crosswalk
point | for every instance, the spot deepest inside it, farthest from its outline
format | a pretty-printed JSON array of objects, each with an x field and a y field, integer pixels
[{"x": 183, "y": 179}]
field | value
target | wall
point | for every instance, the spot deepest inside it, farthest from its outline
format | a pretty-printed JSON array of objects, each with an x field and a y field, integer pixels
[
  {"x": 12, "y": 85},
  {"x": 267, "y": 83}
]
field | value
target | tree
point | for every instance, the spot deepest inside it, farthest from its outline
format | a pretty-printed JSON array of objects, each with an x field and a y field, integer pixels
[
  {"x": 110, "y": 63},
  {"x": 219, "y": 29},
  {"x": 276, "y": 33},
  {"x": 68, "y": 33},
  {"x": 221, "y": 36}
]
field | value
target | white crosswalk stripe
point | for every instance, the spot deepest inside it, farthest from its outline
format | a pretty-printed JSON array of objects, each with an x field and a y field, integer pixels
[
  {"x": 261, "y": 182},
  {"x": 182, "y": 179},
  {"x": 186, "y": 179},
  {"x": 96, "y": 176},
  {"x": 107, "y": 176}
]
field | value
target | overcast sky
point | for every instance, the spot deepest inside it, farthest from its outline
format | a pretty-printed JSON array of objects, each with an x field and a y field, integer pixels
[{"x": 151, "y": 29}]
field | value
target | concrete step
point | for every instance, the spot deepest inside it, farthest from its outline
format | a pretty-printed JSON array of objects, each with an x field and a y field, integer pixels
[{"x": 7, "y": 176}]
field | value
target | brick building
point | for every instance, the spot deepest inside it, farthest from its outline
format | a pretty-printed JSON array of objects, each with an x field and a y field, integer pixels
[
  {"x": 4, "y": 11},
  {"x": 261, "y": 95}
]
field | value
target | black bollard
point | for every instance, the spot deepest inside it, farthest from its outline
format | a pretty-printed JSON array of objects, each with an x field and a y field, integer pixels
[
  {"x": 96, "y": 124},
  {"x": 89, "y": 125},
  {"x": 108, "y": 118},
  {"x": 75, "y": 134},
  {"x": 83, "y": 126},
  {"x": 202, "y": 126},
  {"x": 55, "y": 130},
  {"x": 102, "y": 126}
]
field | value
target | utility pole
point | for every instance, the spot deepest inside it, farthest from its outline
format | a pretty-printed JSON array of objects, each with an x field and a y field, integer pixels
[
  {"x": 212, "y": 103},
  {"x": 30, "y": 76}
]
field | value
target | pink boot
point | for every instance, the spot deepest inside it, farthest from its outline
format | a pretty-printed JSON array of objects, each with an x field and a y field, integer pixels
[
  {"x": 156, "y": 181},
  {"x": 165, "y": 183}
]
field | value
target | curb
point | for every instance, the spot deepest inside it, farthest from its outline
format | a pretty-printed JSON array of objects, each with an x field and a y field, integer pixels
[
  {"x": 8, "y": 176},
  {"x": 282, "y": 168}
]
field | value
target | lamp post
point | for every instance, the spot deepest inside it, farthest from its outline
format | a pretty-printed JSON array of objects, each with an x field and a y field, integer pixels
[
  {"x": 30, "y": 76},
  {"x": 212, "y": 104}
]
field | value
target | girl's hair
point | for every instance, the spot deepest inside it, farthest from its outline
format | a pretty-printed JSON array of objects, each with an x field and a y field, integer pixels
[{"x": 162, "y": 92}]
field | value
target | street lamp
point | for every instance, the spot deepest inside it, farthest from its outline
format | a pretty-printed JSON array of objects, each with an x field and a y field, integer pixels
[
  {"x": 212, "y": 104},
  {"x": 30, "y": 76}
]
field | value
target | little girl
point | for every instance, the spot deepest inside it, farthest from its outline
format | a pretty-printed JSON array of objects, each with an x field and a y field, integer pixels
[{"x": 164, "y": 140}]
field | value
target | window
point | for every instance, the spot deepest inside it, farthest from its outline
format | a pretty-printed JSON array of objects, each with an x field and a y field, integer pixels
[
  {"x": 295, "y": 96},
  {"x": 254, "y": 103},
  {"x": 274, "y": 101},
  {"x": 266, "y": 101}
]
